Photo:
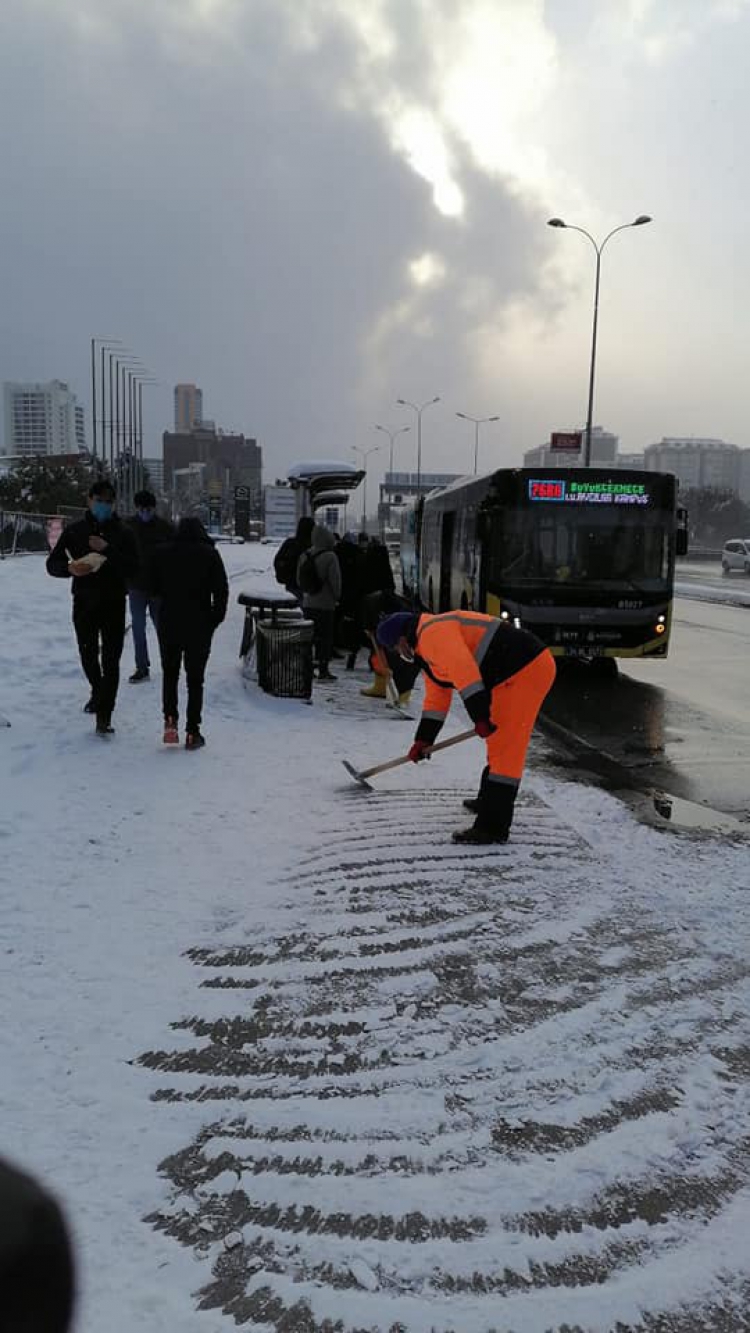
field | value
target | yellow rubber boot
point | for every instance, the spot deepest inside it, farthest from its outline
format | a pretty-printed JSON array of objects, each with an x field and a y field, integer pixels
[{"x": 376, "y": 690}]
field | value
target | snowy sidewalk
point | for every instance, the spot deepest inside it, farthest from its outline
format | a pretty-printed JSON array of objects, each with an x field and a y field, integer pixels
[{"x": 390, "y": 1082}]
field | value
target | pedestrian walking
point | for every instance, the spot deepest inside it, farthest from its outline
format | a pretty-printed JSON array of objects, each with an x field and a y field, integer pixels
[
  {"x": 189, "y": 578},
  {"x": 502, "y": 673},
  {"x": 99, "y": 553},
  {"x": 36, "y": 1260},
  {"x": 149, "y": 531},
  {"x": 319, "y": 578},
  {"x": 287, "y": 557}
]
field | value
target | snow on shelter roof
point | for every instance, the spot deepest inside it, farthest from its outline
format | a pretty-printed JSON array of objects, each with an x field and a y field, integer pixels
[{"x": 304, "y": 471}]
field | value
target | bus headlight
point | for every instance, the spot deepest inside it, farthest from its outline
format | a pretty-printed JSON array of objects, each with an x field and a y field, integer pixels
[
  {"x": 661, "y": 627},
  {"x": 660, "y": 620},
  {"x": 504, "y": 615}
]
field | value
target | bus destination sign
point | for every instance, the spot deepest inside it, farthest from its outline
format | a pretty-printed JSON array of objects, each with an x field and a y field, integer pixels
[{"x": 589, "y": 492}]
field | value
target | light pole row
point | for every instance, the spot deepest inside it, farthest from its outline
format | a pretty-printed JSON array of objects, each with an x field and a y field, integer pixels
[
  {"x": 117, "y": 420},
  {"x": 393, "y": 432}
]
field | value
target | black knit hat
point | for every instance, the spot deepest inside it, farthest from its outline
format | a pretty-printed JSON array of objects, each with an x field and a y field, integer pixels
[{"x": 401, "y": 625}]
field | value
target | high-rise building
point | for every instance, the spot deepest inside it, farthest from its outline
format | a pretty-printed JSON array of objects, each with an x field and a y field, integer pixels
[
  {"x": 80, "y": 429},
  {"x": 41, "y": 418},
  {"x": 230, "y": 460},
  {"x": 188, "y": 407}
]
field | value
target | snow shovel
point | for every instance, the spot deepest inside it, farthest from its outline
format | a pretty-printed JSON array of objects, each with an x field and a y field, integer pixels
[{"x": 366, "y": 773}]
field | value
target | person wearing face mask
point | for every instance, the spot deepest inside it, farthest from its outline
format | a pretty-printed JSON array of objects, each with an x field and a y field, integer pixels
[
  {"x": 502, "y": 673},
  {"x": 99, "y": 554},
  {"x": 149, "y": 531}
]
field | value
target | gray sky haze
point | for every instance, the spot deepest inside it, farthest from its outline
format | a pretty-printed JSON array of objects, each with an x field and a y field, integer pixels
[{"x": 314, "y": 207}]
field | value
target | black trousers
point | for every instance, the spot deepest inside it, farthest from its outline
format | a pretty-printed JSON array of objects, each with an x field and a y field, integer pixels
[
  {"x": 195, "y": 652},
  {"x": 323, "y": 622},
  {"x": 100, "y": 631}
]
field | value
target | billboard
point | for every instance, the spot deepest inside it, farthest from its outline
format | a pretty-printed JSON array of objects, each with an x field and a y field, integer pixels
[{"x": 566, "y": 441}]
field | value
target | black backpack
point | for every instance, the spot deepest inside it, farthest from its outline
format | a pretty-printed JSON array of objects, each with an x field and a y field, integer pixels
[
  {"x": 309, "y": 578},
  {"x": 285, "y": 562}
]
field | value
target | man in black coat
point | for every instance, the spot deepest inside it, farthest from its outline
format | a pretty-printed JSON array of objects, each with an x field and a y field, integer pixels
[
  {"x": 149, "y": 531},
  {"x": 188, "y": 576},
  {"x": 99, "y": 554}
]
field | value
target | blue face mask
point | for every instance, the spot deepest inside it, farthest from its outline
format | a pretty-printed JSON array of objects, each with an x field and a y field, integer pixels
[
  {"x": 145, "y": 515},
  {"x": 102, "y": 510}
]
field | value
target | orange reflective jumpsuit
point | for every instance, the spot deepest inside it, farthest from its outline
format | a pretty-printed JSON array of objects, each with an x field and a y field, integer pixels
[{"x": 502, "y": 674}]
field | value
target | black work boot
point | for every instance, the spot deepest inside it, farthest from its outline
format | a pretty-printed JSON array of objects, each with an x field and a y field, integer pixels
[
  {"x": 472, "y": 802},
  {"x": 495, "y": 805}
]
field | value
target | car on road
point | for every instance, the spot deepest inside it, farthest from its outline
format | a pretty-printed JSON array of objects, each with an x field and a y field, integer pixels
[{"x": 736, "y": 556}]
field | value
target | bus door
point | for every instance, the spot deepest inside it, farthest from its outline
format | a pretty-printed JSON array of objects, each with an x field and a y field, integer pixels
[{"x": 446, "y": 560}]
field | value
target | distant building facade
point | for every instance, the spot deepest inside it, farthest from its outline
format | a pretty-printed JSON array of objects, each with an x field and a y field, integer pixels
[
  {"x": 398, "y": 488},
  {"x": 604, "y": 447},
  {"x": 188, "y": 407},
  {"x": 280, "y": 511},
  {"x": 155, "y": 469},
  {"x": 700, "y": 463},
  {"x": 227, "y": 460},
  {"x": 41, "y": 418}
]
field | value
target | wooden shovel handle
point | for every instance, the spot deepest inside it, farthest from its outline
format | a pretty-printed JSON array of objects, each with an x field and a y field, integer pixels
[{"x": 404, "y": 758}]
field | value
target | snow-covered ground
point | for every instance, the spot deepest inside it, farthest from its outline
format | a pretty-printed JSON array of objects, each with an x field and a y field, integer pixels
[{"x": 286, "y": 1053}]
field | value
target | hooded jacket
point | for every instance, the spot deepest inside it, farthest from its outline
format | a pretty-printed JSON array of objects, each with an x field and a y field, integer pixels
[
  {"x": 109, "y": 583},
  {"x": 329, "y": 572}
]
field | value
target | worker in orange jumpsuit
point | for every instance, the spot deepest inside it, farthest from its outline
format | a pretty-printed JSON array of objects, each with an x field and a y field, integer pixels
[{"x": 502, "y": 673}]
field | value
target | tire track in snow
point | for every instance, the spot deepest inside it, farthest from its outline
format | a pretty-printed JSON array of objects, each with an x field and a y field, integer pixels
[{"x": 464, "y": 1090}]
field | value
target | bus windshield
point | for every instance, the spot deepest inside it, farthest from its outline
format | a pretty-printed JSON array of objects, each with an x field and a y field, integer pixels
[{"x": 580, "y": 544}]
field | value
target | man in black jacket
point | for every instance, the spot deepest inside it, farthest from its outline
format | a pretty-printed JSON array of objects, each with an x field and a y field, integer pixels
[
  {"x": 188, "y": 576},
  {"x": 149, "y": 531},
  {"x": 99, "y": 554}
]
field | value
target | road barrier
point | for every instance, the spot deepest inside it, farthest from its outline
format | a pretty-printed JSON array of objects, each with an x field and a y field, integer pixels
[{"x": 23, "y": 533}]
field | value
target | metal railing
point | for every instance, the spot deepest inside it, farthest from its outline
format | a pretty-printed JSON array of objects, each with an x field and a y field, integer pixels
[{"x": 22, "y": 533}]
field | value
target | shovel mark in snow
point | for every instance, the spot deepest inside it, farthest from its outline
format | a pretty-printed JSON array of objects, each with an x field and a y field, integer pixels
[{"x": 457, "y": 1089}]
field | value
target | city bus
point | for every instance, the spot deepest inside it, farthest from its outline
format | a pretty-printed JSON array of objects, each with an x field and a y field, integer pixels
[{"x": 584, "y": 558}]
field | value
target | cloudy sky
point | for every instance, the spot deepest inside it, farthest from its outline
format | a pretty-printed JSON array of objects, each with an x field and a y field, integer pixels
[{"x": 314, "y": 207}]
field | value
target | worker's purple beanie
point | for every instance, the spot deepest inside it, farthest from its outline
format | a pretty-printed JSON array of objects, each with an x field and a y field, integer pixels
[{"x": 399, "y": 626}]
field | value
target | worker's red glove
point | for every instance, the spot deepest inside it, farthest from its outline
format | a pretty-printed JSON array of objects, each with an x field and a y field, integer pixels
[
  {"x": 484, "y": 728},
  {"x": 419, "y": 750}
]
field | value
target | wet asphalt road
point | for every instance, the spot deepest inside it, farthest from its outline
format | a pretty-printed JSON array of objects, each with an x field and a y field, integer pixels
[{"x": 681, "y": 725}]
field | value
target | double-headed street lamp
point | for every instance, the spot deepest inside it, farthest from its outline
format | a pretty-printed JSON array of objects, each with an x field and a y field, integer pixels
[
  {"x": 391, "y": 436},
  {"x": 374, "y": 449},
  {"x": 391, "y": 433},
  {"x": 404, "y": 402},
  {"x": 478, "y": 421},
  {"x": 558, "y": 222}
]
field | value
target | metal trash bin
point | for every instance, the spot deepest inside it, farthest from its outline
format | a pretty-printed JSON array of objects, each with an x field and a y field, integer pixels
[{"x": 284, "y": 653}]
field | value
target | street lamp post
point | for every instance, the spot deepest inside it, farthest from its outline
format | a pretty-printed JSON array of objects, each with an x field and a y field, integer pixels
[
  {"x": 478, "y": 421},
  {"x": 404, "y": 402},
  {"x": 558, "y": 222},
  {"x": 374, "y": 449},
  {"x": 105, "y": 345},
  {"x": 391, "y": 433}
]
